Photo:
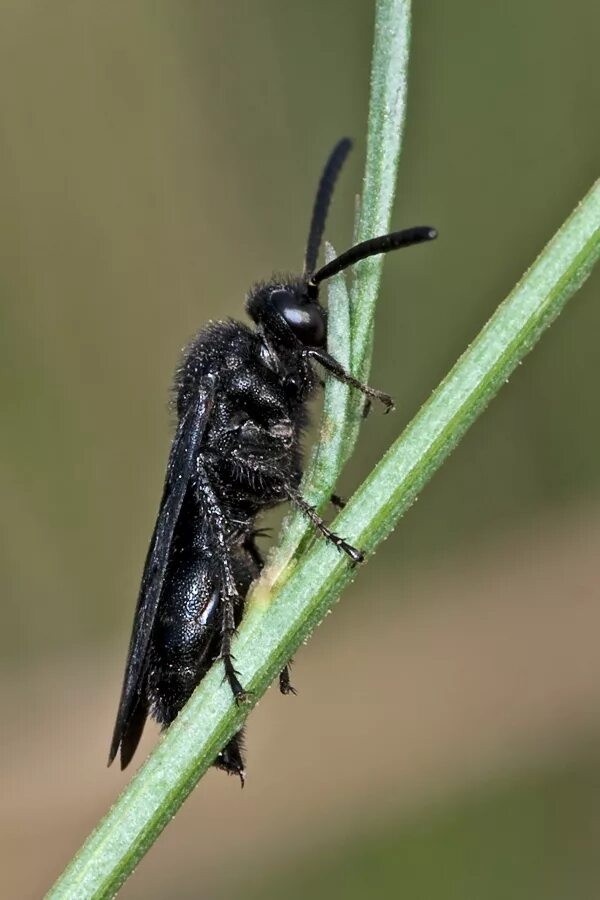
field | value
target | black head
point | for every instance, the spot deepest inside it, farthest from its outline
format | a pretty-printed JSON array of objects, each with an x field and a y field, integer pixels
[{"x": 288, "y": 309}]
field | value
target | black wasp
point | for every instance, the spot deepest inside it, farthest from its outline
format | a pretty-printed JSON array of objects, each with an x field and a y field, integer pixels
[{"x": 241, "y": 397}]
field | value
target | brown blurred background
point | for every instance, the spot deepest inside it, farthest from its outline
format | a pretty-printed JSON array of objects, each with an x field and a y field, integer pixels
[{"x": 155, "y": 159}]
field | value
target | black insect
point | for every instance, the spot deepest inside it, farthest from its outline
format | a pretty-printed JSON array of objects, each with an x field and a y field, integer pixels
[{"x": 241, "y": 397}]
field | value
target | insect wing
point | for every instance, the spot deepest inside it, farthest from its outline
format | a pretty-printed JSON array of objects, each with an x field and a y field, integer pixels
[{"x": 180, "y": 467}]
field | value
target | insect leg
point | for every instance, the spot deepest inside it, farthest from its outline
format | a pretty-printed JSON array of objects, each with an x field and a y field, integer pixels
[
  {"x": 253, "y": 552},
  {"x": 284, "y": 681},
  {"x": 334, "y": 368},
  {"x": 231, "y": 759},
  {"x": 230, "y": 596},
  {"x": 298, "y": 500}
]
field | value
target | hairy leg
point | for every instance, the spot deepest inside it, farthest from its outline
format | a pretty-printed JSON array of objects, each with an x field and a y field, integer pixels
[
  {"x": 298, "y": 500},
  {"x": 334, "y": 368},
  {"x": 231, "y": 759},
  {"x": 230, "y": 596}
]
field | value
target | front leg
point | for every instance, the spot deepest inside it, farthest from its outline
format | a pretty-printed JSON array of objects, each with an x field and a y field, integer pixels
[
  {"x": 332, "y": 365},
  {"x": 229, "y": 594}
]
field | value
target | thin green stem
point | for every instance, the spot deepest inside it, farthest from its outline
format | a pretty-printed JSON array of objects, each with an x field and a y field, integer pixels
[
  {"x": 328, "y": 456},
  {"x": 350, "y": 322},
  {"x": 276, "y": 624},
  {"x": 387, "y": 112}
]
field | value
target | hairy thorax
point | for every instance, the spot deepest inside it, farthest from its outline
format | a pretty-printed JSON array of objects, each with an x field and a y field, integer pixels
[{"x": 252, "y": 445}]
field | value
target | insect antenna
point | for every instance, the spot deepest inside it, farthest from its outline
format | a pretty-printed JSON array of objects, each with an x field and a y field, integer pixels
[
  {"x": 373, "y": 247},
  {"x": 322, "y": 200}
]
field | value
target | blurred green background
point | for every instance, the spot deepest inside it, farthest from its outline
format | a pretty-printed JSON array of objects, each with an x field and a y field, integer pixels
[{"x": 155, "y": 160}]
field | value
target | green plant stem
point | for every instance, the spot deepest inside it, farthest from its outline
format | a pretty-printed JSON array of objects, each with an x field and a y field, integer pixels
[
  {"x": 387, "y": 113},
  {"x": 328, "y": 456},
  {"x": 276, "y": 624},
  {"x": 350, "y": 321}
]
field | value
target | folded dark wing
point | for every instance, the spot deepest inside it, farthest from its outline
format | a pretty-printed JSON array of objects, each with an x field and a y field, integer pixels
[{"x": 180, "y": 467}]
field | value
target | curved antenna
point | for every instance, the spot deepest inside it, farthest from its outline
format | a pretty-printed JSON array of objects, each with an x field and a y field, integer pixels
[
  {"x": 373, "y": 247},
  {"x": 322, "y": 200}
]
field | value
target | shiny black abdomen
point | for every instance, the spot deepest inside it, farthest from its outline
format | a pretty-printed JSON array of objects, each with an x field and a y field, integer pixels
[{"x": 187, "y": 630}]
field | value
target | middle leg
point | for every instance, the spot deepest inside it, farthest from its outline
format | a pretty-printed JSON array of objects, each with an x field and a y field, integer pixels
[{"x": 298, "y": 500}]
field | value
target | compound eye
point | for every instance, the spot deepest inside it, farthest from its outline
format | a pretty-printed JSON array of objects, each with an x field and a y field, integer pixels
[{"x": 306, "y": 320}]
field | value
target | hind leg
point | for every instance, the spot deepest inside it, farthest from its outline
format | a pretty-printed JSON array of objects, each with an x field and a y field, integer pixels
[
  {"x": 284, "y": 681},
  {"x": 231, "y": 760}
]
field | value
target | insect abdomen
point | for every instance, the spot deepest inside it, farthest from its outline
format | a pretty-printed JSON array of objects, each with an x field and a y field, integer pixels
[{"x": 185, "y": 638}]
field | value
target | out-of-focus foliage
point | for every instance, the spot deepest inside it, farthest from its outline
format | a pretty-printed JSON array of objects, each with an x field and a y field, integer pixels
[{"x": 535, "y": 836}]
